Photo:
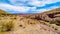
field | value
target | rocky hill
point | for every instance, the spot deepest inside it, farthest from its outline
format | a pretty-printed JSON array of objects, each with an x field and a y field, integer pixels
[
  {"x": 29, "y": 24},
  {"x": 15, "y": 24},
  {"x": 48, "y": 16}
]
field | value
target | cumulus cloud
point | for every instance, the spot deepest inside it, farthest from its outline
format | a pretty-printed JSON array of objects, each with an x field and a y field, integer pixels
[
  {"x": 21, "y": 9},
  {"x": 44, "y": 9},
  {"x": 36, "y": 3},
  {"x": 22, "y": 6}
]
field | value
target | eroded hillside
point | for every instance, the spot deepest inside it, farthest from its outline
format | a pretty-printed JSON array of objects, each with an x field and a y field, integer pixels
[
  {"x": 48, "y": 16},
  {"x": 44, "y": 23},
  {"x": 16, "y": 24}
]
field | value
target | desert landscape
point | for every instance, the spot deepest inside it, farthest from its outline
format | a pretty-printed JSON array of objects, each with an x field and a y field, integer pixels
[{"x": 42, "y": 23}]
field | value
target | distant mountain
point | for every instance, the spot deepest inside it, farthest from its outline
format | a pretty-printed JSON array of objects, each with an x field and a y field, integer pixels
[{"x": 3, "y": 12}]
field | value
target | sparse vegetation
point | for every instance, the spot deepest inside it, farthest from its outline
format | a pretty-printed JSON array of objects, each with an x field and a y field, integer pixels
[
  {"x": 8, "y": 25},
  {"x": 57, "y": 22},
  {"x": 5, "y": 27}
]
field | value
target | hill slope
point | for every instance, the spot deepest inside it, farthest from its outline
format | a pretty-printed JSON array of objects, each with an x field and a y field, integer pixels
[
  {"x": 28, "y": 24},
  {"x": 48, "y": 16},
  {"x": 3, "y": 12},
  {"x": 16, "y": 24}
]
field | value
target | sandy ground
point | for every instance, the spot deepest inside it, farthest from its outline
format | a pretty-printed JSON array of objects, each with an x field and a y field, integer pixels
[{"x": 24, "y": 25}]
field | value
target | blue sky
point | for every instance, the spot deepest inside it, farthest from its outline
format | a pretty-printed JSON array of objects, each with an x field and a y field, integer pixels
[{"x": 28, "y": 6}]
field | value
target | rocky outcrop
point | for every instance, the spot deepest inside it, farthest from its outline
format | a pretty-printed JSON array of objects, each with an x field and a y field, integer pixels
[{"x": 48, "y": 16}]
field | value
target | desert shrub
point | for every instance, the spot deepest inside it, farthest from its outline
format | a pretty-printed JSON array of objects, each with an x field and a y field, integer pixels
[
  {"x": 57, "y": 22},
  {"x": 6, "y": 26}
]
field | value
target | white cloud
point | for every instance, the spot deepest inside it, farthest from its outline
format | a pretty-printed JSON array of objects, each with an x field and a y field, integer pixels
[
  {"x": 18, "y": 2},
  {"x": 21, "y": 9},
  {"x": 36, "y": 3},
  {"x": 44, "y": 9},
  {"x": 15, "y": 1}
]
